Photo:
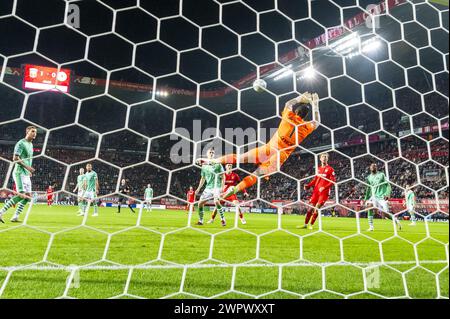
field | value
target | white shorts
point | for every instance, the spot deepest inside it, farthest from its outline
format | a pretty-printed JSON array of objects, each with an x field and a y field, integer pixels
[
  {"x": 149, "y": 200},
  {"x": 89, "y": 195},
  {"x": 24, "y": 184},
  {"x": 410, "y": 208},
  {"x": 212, "y": 193},
  {"x": 380, "y": 204},
  {"x": 80, "y": 193}
]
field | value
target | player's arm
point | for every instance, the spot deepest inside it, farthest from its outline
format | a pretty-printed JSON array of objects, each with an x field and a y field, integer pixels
[
  {"x": 76, "y": 188},
  {"x": 315, "y": 110},
  {"x": 97, "y": 186},
  {"x": 19, "y": 161},
  {"x": 200, "y": 185},
  {"x": 304, "y": 98},
  {"x": 368, "y": 192},
  {"x": 387, "y": 188},
  {"x": 311, "y": 183}
]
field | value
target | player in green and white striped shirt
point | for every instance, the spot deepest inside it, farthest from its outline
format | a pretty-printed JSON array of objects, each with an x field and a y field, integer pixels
[
  {"x": 81, "y": 188},
  {"x": 377, "y": 194},
  {"x": 410, "y": 204},
  {"x": 23, "y": 170},
  {"x": 92, "y": 189},
  {"x": 148, "y": 196},
  {"x": 212, "y": 176}
]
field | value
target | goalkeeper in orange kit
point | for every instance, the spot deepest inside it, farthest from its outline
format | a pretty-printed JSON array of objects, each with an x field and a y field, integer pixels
[{"x": 292, "y": 131}]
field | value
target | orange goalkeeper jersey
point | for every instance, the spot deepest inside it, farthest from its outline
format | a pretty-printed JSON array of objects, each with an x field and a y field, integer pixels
[{"x": 285, "y": 136}]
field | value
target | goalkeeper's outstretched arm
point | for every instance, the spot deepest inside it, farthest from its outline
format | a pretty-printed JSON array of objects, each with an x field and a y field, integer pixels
[{"x": 315, "y": 110}]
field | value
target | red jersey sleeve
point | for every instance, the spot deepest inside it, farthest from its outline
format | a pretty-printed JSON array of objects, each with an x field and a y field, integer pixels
[{"x": 312, "y": 182}]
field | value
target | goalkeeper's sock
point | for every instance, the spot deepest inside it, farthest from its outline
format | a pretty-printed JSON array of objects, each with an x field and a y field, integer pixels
[
  {"x": 247, "y": 182},
  {"x": 313, "y": 220},
  {"x": 80, "y": 206},
  {"x": 308, "y": 217},
  {"x": 95, "y": 209},
  {"x": 214, "y": 214},
  {"x": 10, "y": 203},
  {"x": 240, "y": 214}
]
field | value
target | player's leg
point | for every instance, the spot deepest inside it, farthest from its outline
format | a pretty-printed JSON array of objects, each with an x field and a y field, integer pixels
[
  {"x": 89, "y": 201},
  {"x": 150, "y": 205},
  {"x": 384, "y": 206},
  {"x": 241, "y": 215},
  {"x": 219, "y": 206},
  {"x": 310, "y": 212},
  {"x": 15, "y": 199},
  {"x": 320, "y": 202},
  {"x": 412, "y": 213},
  {"x": 79, "y": 204},
  {"x": 27, "y": 192},
  {"x": 201, "y": 213},
  {"x": 10, "y": 203},
  {"x": 95, "y": 204},
  {"x": 213, "y": 216},
  {"x": 270, "y": 161},
  {"x": 119, "y": 204},
  {"x": 316, "y": 213},
  {"x": 370, "y": 215},
  {"x": 206, "y": 195},
  {"x": 130, "y": 207}
]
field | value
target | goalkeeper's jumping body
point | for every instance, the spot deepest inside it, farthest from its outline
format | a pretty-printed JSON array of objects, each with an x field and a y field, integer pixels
[{"x": 292, "y": 130}]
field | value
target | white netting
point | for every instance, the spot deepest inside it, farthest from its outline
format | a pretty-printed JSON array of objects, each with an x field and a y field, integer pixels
[{"x": 383, "y": 84}]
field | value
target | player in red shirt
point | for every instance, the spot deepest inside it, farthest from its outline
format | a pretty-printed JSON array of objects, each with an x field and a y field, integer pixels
[
  {"x": 190, "y": 198},
  {"x": 50, "y": 195},
  {"x": 231, "y": 179},
  {"x": 322, "y": 183}
]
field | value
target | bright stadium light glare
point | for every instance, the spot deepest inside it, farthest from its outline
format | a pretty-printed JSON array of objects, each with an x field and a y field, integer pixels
[
  {"x": 283, "y": 75},
  {"x": 371, "y": 45},
  {"x": 309, "y": 73},
  {"x": 284, "y": 72}
]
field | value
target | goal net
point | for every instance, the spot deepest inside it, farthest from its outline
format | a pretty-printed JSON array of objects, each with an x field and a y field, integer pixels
[{"x": 141, "y": 90}]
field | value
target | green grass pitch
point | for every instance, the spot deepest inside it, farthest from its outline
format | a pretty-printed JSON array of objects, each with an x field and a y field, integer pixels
[
  {"x": 442, "y": 2},
  {"x": 252, "y": 261}
]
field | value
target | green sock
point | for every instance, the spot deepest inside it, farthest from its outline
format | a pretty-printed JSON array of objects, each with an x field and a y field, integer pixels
[
  {"x": 221, "y": 211},
  {"x": 10, "y": 203},
  {"x": 21, "y": 206},
  {"x": 200, "y": 213},
  {"x": 370, "y": 217}
]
